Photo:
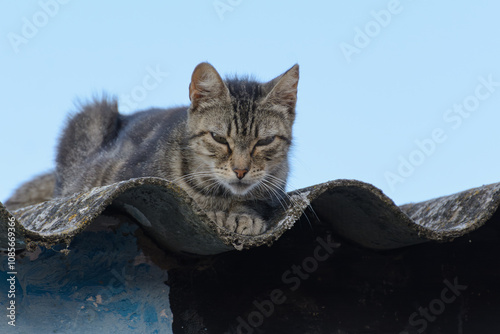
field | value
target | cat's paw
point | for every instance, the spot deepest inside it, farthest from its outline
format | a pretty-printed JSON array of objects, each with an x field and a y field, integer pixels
[{"x": 241, "y": 223}]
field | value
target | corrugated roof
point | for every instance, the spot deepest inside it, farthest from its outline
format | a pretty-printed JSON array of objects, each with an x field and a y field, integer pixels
[
  {"x": 342, "y": 267},
  {"x": 357, "y": 211}
]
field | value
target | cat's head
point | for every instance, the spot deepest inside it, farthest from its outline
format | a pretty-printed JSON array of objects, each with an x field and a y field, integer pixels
[{"x": 240, "y": 131}]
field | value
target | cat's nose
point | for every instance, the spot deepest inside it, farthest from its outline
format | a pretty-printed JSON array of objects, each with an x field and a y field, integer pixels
[{"x": 240, "y": 173}]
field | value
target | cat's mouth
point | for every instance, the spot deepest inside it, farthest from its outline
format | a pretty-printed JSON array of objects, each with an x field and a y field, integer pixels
[{"x": 240, "y": 187}]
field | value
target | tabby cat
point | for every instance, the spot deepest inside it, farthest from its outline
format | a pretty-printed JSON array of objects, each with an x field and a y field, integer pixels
[{"x": 228, "y": 150}]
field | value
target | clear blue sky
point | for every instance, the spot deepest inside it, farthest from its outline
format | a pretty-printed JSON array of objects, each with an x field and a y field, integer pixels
[{"x": 401, "y": 94}]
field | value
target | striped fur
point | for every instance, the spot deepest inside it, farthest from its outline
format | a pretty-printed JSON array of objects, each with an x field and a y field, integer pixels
[{"x": 228, "y": 150}]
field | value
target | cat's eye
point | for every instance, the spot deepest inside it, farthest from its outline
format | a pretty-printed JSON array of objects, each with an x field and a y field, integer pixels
[
  {"x": 265, "y": 141},
  {"x": 218, "y": 138}
]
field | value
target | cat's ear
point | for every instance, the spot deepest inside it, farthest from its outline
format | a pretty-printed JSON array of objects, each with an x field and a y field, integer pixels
[
  {"x": 283, "y": 89},
  {"x": 206, "y": 83}
]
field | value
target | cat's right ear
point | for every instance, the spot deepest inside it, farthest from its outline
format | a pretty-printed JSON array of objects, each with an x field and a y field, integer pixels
[{"x": 205, "y": 84}]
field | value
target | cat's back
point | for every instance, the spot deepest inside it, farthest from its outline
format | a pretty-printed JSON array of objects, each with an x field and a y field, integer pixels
[
  {"x": 154, "y": 116},
  {"x": 100, "y": 145},
  {"x": 155, "y": 122}
]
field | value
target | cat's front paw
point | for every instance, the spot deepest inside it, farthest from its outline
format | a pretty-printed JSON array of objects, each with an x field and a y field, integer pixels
[{"x": 241, "y": 223}]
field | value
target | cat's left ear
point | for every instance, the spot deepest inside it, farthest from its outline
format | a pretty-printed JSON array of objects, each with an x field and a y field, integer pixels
[
  {"x": 283, "y": 89},
  {"x": 206, "y": 83}
]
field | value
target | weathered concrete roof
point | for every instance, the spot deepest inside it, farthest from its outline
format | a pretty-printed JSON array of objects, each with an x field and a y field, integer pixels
[{"x": 357, "y": 211}]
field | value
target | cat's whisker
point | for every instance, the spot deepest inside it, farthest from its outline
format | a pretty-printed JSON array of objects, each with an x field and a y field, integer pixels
[
  {"x": 278, "y": 193},
  {"x": 271, "y": 193},
  {"x": 210, "y": 182},
  {"x": 191, "y": 176},
  {"x": 275, "y": 183},
  {"x": 210, "y": 189},
  {"x": 213, "y": 187},
  {"x": 309, "y": 206}
]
